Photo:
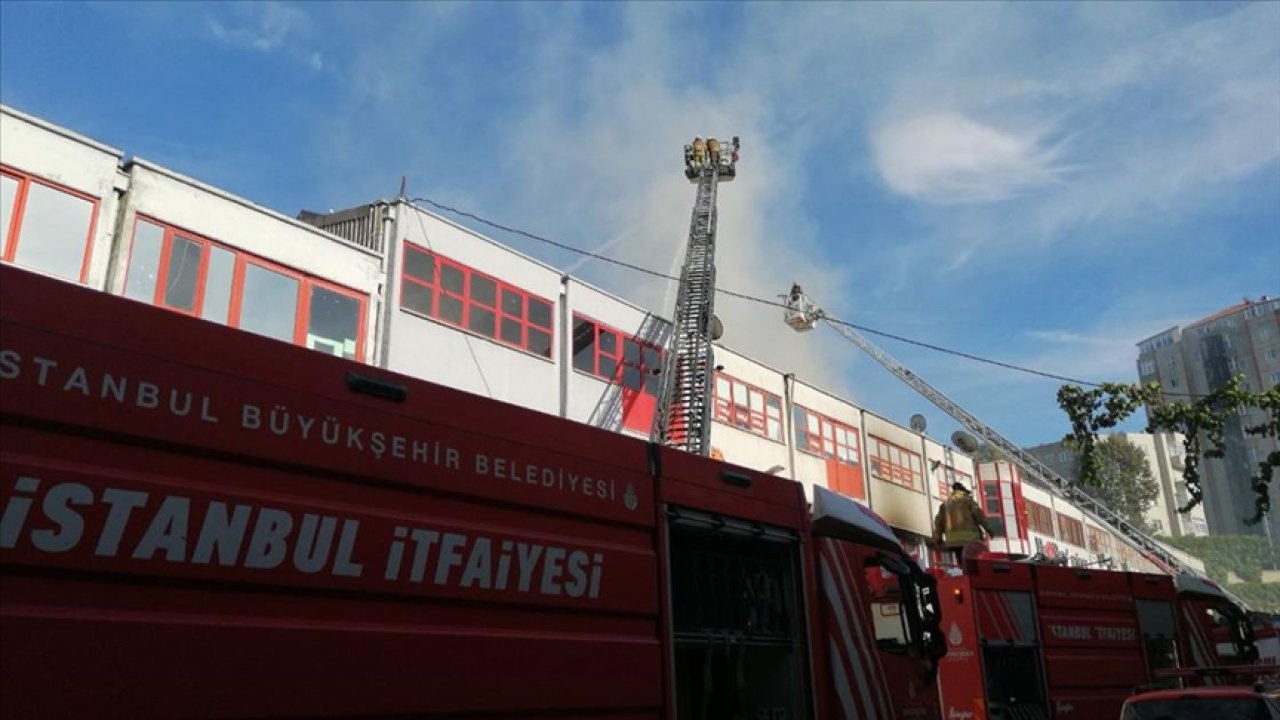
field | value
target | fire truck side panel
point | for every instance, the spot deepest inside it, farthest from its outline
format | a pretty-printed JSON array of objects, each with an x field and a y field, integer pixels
[
  {"x": 704, "y": 484},
  {"x": 1093, "y": 651},
  {"x": 960, "y": 672},
  {"x": 199, "y": 522}
]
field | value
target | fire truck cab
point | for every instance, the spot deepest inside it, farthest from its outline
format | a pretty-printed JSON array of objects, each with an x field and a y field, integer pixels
[{"x": 200, "y": 522}]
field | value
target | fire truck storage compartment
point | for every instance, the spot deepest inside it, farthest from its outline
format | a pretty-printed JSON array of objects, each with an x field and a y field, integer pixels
[
  {"x": 737, "y": 618},
  {"x": 1010, "y": 655},
  {"x": 1159, "y": 628}
]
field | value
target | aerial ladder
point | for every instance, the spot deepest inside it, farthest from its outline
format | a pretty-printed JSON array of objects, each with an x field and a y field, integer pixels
[
  {"x": 682, "y": 418},
  {"x": 802, "y": 314}
]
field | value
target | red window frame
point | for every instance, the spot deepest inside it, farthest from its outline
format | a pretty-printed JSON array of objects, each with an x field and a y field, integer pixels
[
  {"x": 729, "y": 412},
  {"x": 883, "y": 467},
  {"x": 1040, "y": 519},
  {"x": 437, "y": 289},
  {"x": 826, "y": 442},
  {"x": 12, "y": 235},
  {"x": 1099, "y": 540},
  {"x": 619, "y": 356},
  {"x": 1070, "y": 530},
  {"x": 241, "y": 260}
]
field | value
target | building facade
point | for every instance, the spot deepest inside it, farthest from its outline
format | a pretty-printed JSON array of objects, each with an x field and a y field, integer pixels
[
  {"x": 389, "y": 284},
  {"x": 1165, "y": 458},
  {"x": 1242, "y": 340}
]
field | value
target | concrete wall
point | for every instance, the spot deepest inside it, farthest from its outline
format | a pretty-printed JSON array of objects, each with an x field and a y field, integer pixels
[
  {"x": 432, "y": 349},
  {"x": 902, "y": 507},
  {"x": 52, "y": 153},
  {"x": 174, "y": 199},
  {"x": 747, "y": 448}
]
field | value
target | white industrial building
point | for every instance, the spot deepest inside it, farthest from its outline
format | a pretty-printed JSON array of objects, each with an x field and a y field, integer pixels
[{"x": 395, "y": 286}]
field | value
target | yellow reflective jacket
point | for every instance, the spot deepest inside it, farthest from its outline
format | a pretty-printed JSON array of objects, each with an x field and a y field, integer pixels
[{"x": 959, "y": 521}]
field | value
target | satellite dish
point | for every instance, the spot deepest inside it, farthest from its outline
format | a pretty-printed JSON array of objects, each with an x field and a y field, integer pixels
[
  {"x": 918, "y": 423},
  {"x": 717, "y": 328},
  {"x": 964, "y": 441}
]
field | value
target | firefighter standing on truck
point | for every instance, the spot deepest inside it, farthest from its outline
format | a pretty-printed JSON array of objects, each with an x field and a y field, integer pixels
[{"x": 959, "y": 521}]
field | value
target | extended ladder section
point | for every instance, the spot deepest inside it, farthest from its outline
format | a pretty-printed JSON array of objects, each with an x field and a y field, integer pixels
[
  {"x": 682, "y": 419},
  {"x": 802, "y": 314},
  {"x": 1029, "y": 464}
]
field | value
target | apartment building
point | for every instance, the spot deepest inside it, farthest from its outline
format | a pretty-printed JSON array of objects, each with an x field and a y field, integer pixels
[
  {"x": 1165, "y": 458},
  {"x": 1243, "y": 340}
]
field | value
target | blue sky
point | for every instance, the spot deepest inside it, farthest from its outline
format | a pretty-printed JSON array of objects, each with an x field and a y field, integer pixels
[{"x": 1045, "y": 184}]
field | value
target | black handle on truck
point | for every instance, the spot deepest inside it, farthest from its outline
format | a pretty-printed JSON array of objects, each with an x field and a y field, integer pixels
[{"x": 384, "y": 389}]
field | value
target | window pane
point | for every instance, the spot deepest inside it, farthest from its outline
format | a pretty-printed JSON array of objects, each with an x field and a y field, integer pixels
[
  {"x": 630, "y": 351},
  {"x": 539, "y": 342},
  {"x": 144, "y": 261},
  {"x": 608, "y": 343},
  {"x": 55, "y": 231},
  {"x": 608, "y": 367},
  {"x": 484, "y": 290},
  {"x": 416, "y": 297},
  {"x": 482, "y": 321},
  {"x": 539, "y": 313},
  {"x": 452, "y": 279},
  {"x": 652, "y": 382},
  {"x": 512, "y": 303},
  {"x": 8, "y": 196},
  {"x": 333, "y": 323},
  {"x": 512, "y": 331},
  {"x": 182, "y": 274},
  {"x": 652, "y": 358},
  {"x": 631, "y": 377},
  {"x": 270, "y": 303},
  {"x": 584, "y": 345},
  {"x": 217, "y": 284},
  {"x": 419, "y": 265},
  {"x": 450, "y": 309}
]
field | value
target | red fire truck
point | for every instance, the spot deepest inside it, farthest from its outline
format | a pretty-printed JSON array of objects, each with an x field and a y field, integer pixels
[
  {"x": 1033, "y": 642},
  {"x": 199, "y": 522}
]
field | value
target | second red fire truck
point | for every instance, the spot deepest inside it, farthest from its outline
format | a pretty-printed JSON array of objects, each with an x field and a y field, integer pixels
[{"x": 1030, "y": 641}]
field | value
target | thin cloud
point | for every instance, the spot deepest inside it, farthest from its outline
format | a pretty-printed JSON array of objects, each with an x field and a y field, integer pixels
[
  {"x": 266, "y": 27},
  {"x": 948, "y": 158}
]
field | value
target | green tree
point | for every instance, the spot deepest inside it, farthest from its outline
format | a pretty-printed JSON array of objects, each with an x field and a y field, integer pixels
[
  {"x": 1201, "y": 420},
  {"x": 1125, "y": 483}
]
